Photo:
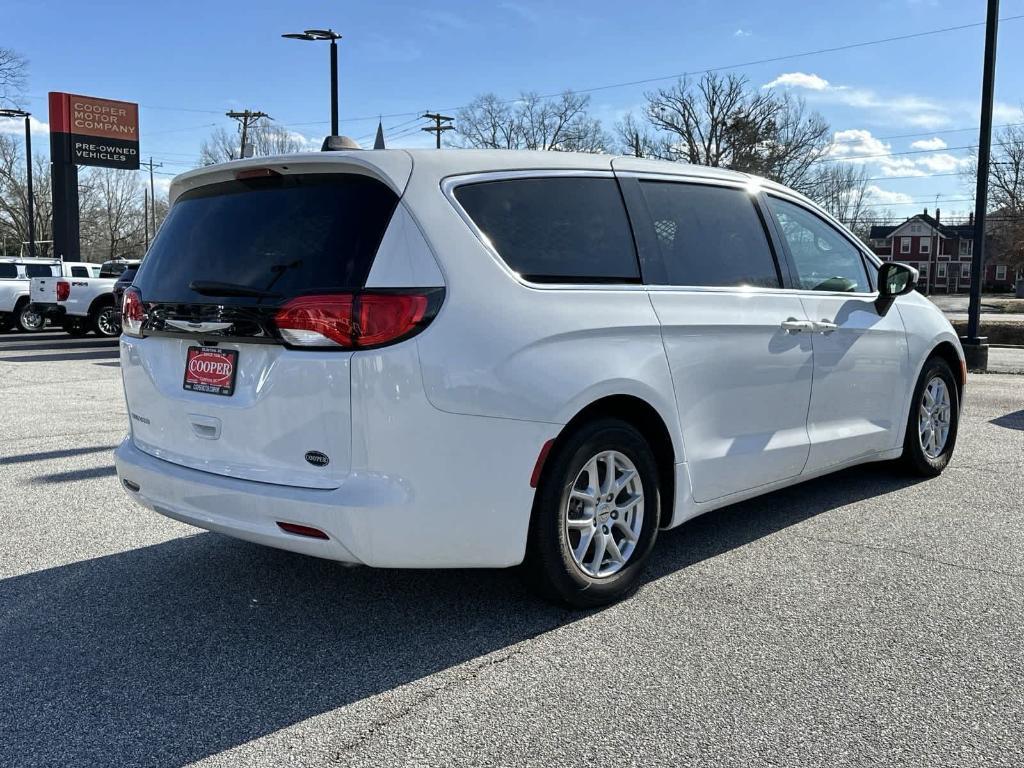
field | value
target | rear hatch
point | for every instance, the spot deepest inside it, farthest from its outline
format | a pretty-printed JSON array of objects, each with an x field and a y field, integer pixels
[{"x": 210, "y": 383}]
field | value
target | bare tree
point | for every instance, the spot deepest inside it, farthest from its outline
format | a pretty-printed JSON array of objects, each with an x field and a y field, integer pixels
[
  {"x": 14, "y": 196},
  {"x": 265, "y": 139},
  {"x": 635, "y": 139},
  {"x": 561, "y": 124},
  {"x": 112, "y": 215},
  {"x": 1005, "y": 195},
  {"x": 13, "y": 75},
  {"x": 720, "y": 121},
  {"x": 842, "y": 190}
]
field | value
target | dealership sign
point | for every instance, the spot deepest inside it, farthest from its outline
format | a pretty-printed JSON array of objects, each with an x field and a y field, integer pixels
[{"x": 96, "y": 131}]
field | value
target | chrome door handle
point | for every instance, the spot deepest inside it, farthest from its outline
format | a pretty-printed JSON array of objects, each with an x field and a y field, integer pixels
[
  {"x": 824, "y": 326},
  {"x": 792, "y": 325}
]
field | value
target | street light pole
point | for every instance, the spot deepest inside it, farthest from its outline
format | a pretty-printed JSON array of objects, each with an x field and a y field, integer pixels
[
  {"x": 333, "y": 37},
  {"x": 334, "y": 86},
  {"x": 28, "y": 175},
  {"x": 975, "y": 350},
  {"x": 31, "y": 194}
]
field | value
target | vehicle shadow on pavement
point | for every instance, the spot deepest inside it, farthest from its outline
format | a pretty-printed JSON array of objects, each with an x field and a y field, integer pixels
[
  {"x": 167, "y": 654},
  {"x": 55, "y": 347},
  {"x": 1014, "y": 420}
]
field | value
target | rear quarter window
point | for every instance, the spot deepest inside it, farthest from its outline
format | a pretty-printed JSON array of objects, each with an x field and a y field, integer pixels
[
  {"x": 8, "y": 271},
  {"x": 555, "y": 229}
]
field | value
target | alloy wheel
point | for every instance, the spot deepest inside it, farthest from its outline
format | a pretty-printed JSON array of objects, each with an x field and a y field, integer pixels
[
  {"x": 106, "y": 322},
  {"x": 604, "y": 514},
  {"x": 934, "y": 417}
]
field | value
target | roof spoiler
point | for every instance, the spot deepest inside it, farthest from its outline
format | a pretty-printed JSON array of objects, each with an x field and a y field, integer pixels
[{"x": 339, "y": 143}]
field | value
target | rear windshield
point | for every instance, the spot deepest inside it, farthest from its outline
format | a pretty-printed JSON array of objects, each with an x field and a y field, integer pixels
[
  {"x": 40, "y": 270},
  {"x": 8, "y": 270},
  {"x": 284, "y": 235}
]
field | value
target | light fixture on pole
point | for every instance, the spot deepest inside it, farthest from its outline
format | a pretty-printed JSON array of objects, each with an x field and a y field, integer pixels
[
  {"x": 28, "y": 175},
  {"x": 334, "y": 37}
]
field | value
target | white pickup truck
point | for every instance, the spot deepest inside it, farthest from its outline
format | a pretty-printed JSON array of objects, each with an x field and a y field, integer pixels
[
  {"x": 43, "y": 293},
  {"x": 83, "y": 304},
  {"x": 15, "y": 277}
]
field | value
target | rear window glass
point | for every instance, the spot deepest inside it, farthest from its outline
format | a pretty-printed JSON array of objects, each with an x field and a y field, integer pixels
[
  {"x": 111, "y": 269},
  {"x": 40, "y": 270},
  {"x": 79, "y": 271},
  {"x": 555, "y": 229},
  {"x": 709, "y": 236},
  {"x": 283, "y": 235},
  {"x": 8, "y": 271}
]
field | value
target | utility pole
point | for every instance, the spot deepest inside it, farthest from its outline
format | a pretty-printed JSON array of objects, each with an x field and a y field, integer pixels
[
  {"x": 152, "y": 194},
  {"x": 975, "y": 348},
  {"x": 145, "y": 215},
  {"x": 245, "y": 119},
  {"x": 438, "y": 127}
]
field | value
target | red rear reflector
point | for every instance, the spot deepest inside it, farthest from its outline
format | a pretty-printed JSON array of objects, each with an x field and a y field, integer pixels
[
  {"x": 63, "y": 290},
  {"x": 351, "y": 320},
  {"x": 302, "y": 530},
  {"x": 539, "y": 466},
  {"x": 255, "y": 173}
]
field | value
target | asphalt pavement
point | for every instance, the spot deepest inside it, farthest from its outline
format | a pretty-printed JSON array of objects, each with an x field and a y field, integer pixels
[{"x": 866, "y": 618}]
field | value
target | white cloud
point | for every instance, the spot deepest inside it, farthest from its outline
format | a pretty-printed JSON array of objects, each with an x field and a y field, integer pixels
[
  {"x": 15, "y": 126},
  {"x": 855, "y": 142},
  {"x": 942, "y": 163},
  {"x": 886, "y": 196},
  {"x": 933, "y": 143},
  {"x": 904, "y": 108},
  {"x": 799, "y": 80},
  {"x": 742, "y": 33}
]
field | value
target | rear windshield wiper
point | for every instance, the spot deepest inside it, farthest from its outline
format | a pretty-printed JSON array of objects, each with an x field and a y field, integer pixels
[{"x": 214, "y": 288}]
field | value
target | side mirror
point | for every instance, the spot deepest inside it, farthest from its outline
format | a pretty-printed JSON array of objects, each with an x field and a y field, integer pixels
[{"x": 894, "y": 280}]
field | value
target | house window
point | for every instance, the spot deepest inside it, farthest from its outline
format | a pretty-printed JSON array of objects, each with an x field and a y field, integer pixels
[
  {"x": 1001, "y": 272},
  {"x": 965, "y": 271},
  {"x": 915, "y": 227},
  {"x": 966, "y": 247},
  {"x": 940, "y": 271},
  {"x": 904, "y": 245},
  {"x": 926, "y": 245},
  {"x": 922, "y": 268}
]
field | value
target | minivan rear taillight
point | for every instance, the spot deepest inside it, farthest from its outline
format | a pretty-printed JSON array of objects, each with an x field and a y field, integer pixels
[
  {"x": 133, "y": 314},
  {"x": 359, "y": 320},
  {"x": 63, "y": 290}
]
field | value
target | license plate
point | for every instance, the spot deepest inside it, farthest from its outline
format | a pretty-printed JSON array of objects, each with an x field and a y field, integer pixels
[{"x": 211, "y": 370}]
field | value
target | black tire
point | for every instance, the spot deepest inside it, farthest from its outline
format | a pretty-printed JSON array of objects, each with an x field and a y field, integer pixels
[
  {"x": 75, "y": 326},
  {"x": 28, "y": 322},
  {"x": 915, "y": 459},
  {"x": 104, "y": 321},
  {"x": 549, "y": 565}
]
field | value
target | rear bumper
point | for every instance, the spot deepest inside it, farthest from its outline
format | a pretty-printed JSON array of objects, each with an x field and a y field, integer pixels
[
  {"x": 49, "y": 311},
  {"x": 437, "y": 508}
]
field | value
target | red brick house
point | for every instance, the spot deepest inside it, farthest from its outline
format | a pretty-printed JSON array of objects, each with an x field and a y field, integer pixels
[{"x": 941, "y": 252}]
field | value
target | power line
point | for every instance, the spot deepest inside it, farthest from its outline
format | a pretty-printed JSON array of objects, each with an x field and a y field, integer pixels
[
  {"x": 739, "y": 65},
  {"x": 855, "y": 139}
]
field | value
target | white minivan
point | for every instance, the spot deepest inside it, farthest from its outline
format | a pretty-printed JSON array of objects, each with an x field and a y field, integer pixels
[{"x": 455, "y": 359}]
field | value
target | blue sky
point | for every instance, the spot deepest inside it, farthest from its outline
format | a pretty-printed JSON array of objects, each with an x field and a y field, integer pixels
[{"x": 188, "y": 62}]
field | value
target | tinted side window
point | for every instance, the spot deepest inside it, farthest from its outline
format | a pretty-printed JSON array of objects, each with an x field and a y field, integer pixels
[
  {"x": 709, "y": 236},
  {"x": 556, "y": 229},
  {"x": 79, "y": 271},
  {"x": 8, "y": 271},
  {"x": 823, "y": 259}
]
